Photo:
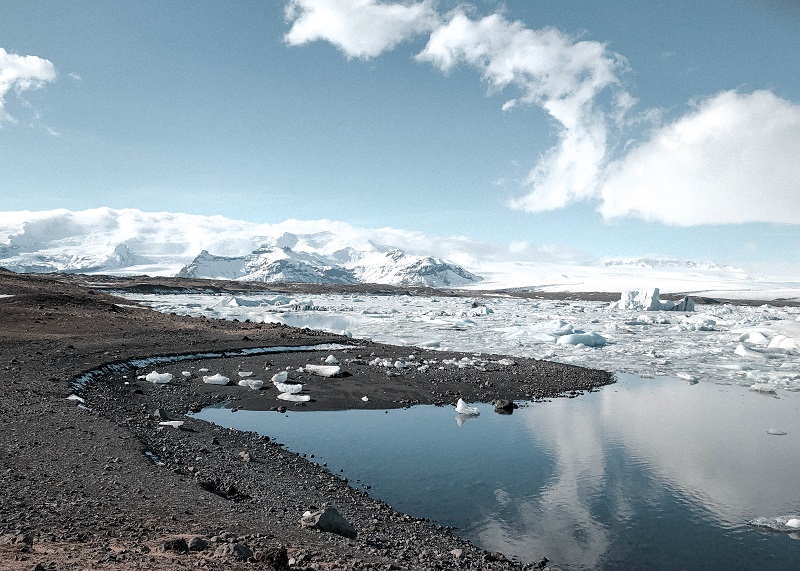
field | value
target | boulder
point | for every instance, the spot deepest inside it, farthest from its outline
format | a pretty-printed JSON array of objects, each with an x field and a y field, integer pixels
[{"x": 329, "y": 520}]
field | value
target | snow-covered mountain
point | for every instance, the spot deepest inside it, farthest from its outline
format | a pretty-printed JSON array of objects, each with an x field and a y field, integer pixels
[
  {"x": 130, "y": 242},
  {"x": 126, "y": 242}
]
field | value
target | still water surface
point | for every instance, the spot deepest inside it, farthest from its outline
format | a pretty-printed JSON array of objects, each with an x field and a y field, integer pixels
[{"x": 643, "y": 474}]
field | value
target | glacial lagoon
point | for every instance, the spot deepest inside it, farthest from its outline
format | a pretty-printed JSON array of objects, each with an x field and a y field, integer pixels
[{"x": 644, "y": 474}]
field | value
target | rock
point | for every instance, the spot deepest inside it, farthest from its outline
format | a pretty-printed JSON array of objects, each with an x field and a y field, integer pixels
[
  {"x": 161, "y": 414},
  {"x": 236, "y": 551},
  {"x": 502, "y": 406},
  {"x": 273, "y": 559},
  {"x": 245, "y": 456},
  {"x": 177, "y": 544},
  {"x": 457, "y": 553},
  {"x": 197, "y": 543},
  {"x": 329, "y": 520}
]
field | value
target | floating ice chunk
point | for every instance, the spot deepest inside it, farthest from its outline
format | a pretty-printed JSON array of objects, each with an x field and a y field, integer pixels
[
  {"x": 216, "y": 379},
  {"x": 76, "y": 398},
  {"x": 754, "y": 338},
  {"x": 780, "y": 523},
  {"x": 186, "y": 374},
  {"x": 783, "y": 342},
  {"x": 743, "y": 351},
  {"x": 254, "y": 384},
  {"x": 245, "y": 373},
  {"x": 776, "y": 432},
  {"x": 763, "y": 388},
  {"x": 463, "y": 408},
  {"x": 158, "y": 378},
  {"x": 591, "y": 339},
  {"x": 331, "y": 360},
  {"x": 324, "y": 370},
  {"x": 294, "y": 397},
  {"x": 291, "y": 388},
  {"x": 172, "y": 423}
]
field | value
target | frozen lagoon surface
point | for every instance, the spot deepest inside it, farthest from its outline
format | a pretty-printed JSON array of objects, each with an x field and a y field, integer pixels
[{"x": 643, "y": 474}]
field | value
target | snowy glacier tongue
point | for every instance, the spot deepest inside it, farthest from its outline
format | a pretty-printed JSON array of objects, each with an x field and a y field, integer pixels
[{"x": 757, "y": 347}]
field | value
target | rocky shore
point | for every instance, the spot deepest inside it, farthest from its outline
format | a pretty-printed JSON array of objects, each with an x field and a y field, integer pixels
[{"x": 103, "y": 481}]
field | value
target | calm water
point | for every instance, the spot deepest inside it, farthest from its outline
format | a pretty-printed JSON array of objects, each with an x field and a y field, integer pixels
[{"x": 644, "y": 474}]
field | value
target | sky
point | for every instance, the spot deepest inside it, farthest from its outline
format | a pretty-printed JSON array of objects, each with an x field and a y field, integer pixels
[{"x": 578, "y": 129}]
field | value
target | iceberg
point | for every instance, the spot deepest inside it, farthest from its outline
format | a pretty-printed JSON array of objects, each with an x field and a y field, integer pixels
[{"x": 465, "y": 409}]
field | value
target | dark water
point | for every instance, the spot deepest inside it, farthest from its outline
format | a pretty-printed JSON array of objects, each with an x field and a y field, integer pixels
[{"x": 644, "y": 474}]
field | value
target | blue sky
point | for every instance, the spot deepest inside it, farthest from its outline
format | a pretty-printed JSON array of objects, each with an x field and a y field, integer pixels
[{"x": 605, "y": 129}]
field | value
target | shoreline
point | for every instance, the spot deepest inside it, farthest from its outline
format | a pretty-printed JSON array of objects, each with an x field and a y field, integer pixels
[{"x": 80, "y": 492}]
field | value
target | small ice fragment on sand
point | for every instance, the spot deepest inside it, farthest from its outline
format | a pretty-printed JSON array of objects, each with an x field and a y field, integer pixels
[
  {"x": 75, "y": 398},
  {"x": 463, "y": 408},
  {"x": 216, "y": 379},
  {"x": 280, "y": 377},
  {"x": 331, "y": 360},
  {"x": 251, "y": 383},
  {"x": 294, "y": 398},
  {"x": 290, "y": 388},
  {"x": 399, "y": 365},
  {"x": 506, "y": 362},
  {"x": 324, "y": 370},
  {"x": 364, "y": 398},
  {"x": 158, "y": 378},
  {"x": 172, "y": 423},
  {"x": 186, "y": 374},
  {"x": 777, "y": 432},
  {"x": 794, "y": 522},
  {"x": 203, "y": 370},
  {"x": 245, "y": 373}
]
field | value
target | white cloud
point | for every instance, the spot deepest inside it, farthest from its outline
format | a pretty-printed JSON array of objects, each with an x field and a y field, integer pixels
[
  {"x": 22, "y": 73},
  {"x": 360, "y": 28},
  {"x": 552, "y": 70},
  {"x": 732, "y": 159}
]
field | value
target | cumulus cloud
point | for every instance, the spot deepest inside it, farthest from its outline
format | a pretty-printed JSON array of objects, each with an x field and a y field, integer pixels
[
  {"x": 552, "y": 70},
  {"x": 732, "y": 159},
  {"x": 360, "y": 28},
  {"x": 22, "y": 73}
]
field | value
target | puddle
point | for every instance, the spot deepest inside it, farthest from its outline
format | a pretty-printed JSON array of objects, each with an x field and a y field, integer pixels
[{"x": 646, "y": 473}]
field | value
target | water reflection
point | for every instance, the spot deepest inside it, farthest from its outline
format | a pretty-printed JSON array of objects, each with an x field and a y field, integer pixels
[{"x": 643, "y": 474}]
